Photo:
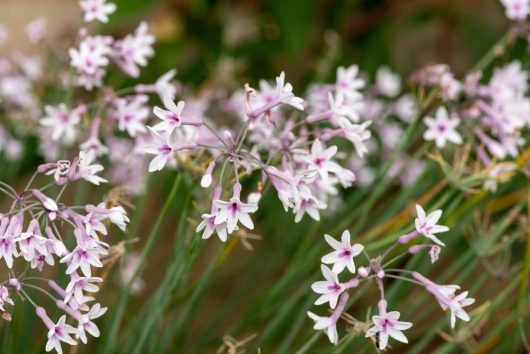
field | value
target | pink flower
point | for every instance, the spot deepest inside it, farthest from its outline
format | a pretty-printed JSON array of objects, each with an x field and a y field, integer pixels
[
  {"x": 320, "y": 159},
  {"x": 442, "y": 129},
  {"x": 163, "y": 86},
  {"x": 10, "y": 230},
  {"x": 62, "y": 121},
  {"x": 283, "y": 94},
  {"x": 163, "y": 149},
  {"x": 348, "y": 83},
  {"x": 326, "y": 324},
  {"x": 87, "y": 170},
  {"x": 343, "y": 254},
  {"x": 516, "y": 9},
  {"x": 83, "y": 257},
  {"x": 234, "y": 211},
  {"x": 388, "y": 83},
  {"x": 171, "y": 116},
  {"x": 208, "y": 223},
  {"x": 49, "y": 204},
  {"x": 132, "y": 115},
  {"x": 447, "y": 298},
  {"x": 97, "y": 10},
  {"x": 91, "y": 56},
  {"x": 31, "y": 242},
  {"x": 329, "y": 324},
  {"x": 4, "y": 298},
  {"x": 387, "y": 325},
  {"x": 330, "y": 289},
  {"x": 36, "y": 30},
  {"x": 57, "y": 333},
  {"x": 77, "y": 285},
  {"x": 426, "y": 224},
  {"x": 85, "y": 323},
  {"x": 135, "y": 50}
]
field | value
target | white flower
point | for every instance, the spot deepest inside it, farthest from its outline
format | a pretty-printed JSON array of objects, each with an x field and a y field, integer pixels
[
  {"x": 87, "y": 170},
  {"x": 163, "y": 149},
  {"x": 388, "y": 83},
  {"x": 234, "y": 211},
  {"x": 60, "y": 333},
  {"x": 171, "y": 116},
  {"x": 135, "y": 50},
  {"x": 426, "y": 224},
  {"x": 516, "y": 9},
  {"x": 326, "y": 324},
  {"x": 348, "y": 83},
  {"x": 387, "y": 325},
  {"x": 320, "y": 160},
  {"x": 330, "y": 289},
  {"x": 62, "y": 121},
  {"x": 442, "y": 129},
  {"x": 310, "y": 205},
  {"x": 284, "y": 92},
  {"x": 343, "y": 254},
  {"x": 132, "y": 115},
  {"x": 86, "y": 325},
  {"x": 97, "y": 10}
]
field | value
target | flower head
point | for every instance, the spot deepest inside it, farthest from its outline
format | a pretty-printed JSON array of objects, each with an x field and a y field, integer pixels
[
  {"x": 387, "y": 325},
  {"x": 426, "y": 224},
  {"x": 442, "y": 129},
  {"x": 234, "y": 211},
  {"x": 97, "y": 10},
  {"x": 330, "y": 289},
  {"x": 343, "y": 254}
]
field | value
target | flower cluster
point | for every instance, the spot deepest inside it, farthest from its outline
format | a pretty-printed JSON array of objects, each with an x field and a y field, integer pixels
[
  {"x": 386, "y": 324},
  {"x": 292, "y": 151},
  {"x": 33, "y": 237}
]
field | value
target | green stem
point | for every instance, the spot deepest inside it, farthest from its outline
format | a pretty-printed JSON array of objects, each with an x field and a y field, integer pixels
[{"x": 112, "y": 334}]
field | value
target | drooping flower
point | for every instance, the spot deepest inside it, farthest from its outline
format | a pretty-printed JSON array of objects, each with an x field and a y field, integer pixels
[
  {"x": 447, "y": 298},
  {"x": 326, "y": 324},
  {"x": 86, "y": 325},
  {"x": 10, "y": 230},
  {"x": 343, "y": 254}
]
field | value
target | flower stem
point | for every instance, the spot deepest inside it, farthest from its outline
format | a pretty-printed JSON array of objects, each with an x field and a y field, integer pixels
[{"x": 112, "y": 334}]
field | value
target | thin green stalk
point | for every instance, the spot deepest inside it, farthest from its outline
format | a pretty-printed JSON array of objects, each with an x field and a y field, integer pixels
[{"x": 112, "y": 334}]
